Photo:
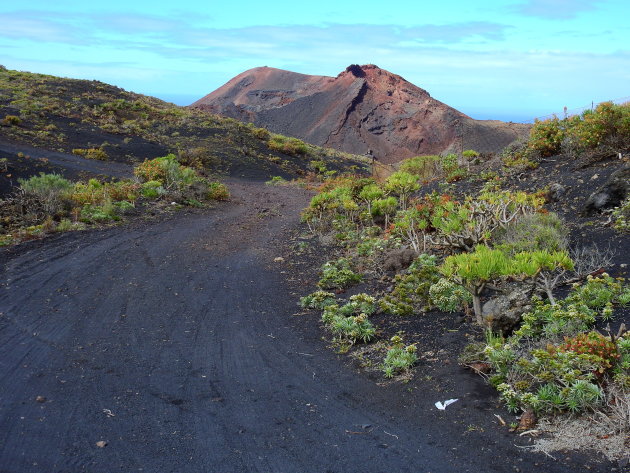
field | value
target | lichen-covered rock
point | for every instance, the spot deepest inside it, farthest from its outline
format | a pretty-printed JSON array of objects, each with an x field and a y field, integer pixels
[{"x": 503, "y": 313}]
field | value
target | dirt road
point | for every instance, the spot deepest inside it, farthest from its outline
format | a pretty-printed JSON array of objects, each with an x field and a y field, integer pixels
[{"x": 174, "y": 342}]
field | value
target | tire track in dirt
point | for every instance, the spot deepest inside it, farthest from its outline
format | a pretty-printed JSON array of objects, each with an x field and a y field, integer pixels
[{"x": 174, "y": 342}]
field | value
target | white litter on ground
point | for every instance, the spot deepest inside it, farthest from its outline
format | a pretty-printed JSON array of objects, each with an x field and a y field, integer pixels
[{"x": 442, "y": 406}]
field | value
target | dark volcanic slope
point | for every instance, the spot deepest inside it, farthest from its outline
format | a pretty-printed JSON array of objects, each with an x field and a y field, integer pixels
[{"x": 363, "y": 108}]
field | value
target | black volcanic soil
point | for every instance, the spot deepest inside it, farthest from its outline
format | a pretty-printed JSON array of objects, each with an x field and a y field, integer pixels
[{"x": 176, "y": 344}]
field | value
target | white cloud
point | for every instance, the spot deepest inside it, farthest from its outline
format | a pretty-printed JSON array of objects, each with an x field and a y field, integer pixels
[{"x": 556, "y": 9}]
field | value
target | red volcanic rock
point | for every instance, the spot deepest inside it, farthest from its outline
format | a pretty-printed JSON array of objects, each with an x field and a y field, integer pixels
[{"x": 363, "y": 108}]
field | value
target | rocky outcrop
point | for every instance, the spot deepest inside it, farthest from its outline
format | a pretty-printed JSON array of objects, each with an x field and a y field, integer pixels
[
  {"x": 612, "y": 193},
  {"x": 363, "y": 108},
  {"x": 503, "y": 313}
]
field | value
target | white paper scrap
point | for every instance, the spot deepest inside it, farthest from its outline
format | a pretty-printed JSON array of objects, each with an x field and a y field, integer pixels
[{"x": 442, "y": 406}]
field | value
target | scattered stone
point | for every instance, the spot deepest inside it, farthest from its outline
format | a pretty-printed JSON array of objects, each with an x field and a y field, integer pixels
[
  {"x": 101, "y": 444},
  {"x": 40, "y": 399},
  {"x": 279, "y": 259},
  {"x": 594, "y": 177}
]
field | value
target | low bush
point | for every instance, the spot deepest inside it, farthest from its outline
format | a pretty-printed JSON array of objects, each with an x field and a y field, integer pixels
[
  {"x": 91, "y": 153},
  {"x": 218, "y": 191},
  {"x": 44, "y": 195},
  {"x": 411, "y": 291},
  {"x": 531, "y": 232},
  {"x": 338, "y": 275},
  {"x": 399, "y": 358},
  {"x": 286, "y": 145},
  {"x": 276, "y": 181},
  {"x": 425, "y": 167},
  {"x": 11, "y": 120},
  {"x": 99, "y": 213},
  {"x": 621, "y": 216},
  {"x": 607, "y": 123},
  {"x": 152, "y": 189},
  {"x": 317, "y": 300},
  {"x": 447, "y": 296},
  {"x": 555, "y": 361}
]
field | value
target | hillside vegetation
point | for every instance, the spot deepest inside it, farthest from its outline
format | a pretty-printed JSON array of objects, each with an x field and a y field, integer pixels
[
  {"x": 508, "y": 245},
  {"x": 100, "y": 121}
]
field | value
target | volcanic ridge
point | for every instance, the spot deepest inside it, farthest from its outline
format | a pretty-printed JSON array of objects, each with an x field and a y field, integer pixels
[{"x": 365, "y": 108}]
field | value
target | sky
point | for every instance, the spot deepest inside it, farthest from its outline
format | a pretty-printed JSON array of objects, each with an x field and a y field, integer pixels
[{"x": 492, "y": 59}]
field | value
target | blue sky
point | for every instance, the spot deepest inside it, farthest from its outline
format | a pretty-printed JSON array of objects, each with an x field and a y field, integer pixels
[{"x": 505, "y": 59}]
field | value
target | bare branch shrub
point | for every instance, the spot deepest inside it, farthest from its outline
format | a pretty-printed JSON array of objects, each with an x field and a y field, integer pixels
[{"x": 591, "y": 258}]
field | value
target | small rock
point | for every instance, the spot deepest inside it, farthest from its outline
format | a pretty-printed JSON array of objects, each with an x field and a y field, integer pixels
[
  {"x": 40, "y": 399},
  {"x": 481, "y": 367},
  {"x": 556, "y": 191},
  {"x": 101, "y": 444},
  {"x": 594, "y": 177},
  {"x": 528, "y": 420},
  {"x": 279, "y": 259}
]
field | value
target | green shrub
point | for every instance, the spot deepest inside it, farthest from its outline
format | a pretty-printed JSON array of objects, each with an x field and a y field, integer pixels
[
  {"x": 218, "y": 191},
  {"x": 475, "y": 270},
  {"x": 168, "y": 171},
  {"x": 399, "y": 358},
  {"x": 91, "y": 153},
  {"x": 470, "y": 154},
  {"x": 338, "y": 275},
  {"x": 317, "y": 300},
  {"x": 621, "y": 216},
  {"x": 152, "y": 189},
  {"x": 45, "y": 193},
  {"x": 448, "y": 296},
  {"x": 97, "y": 192},
  {"x": 555, "y": 362},
  {"x": 276, "y": 181},
  {"x": 352, "y": 329},
  {"x": 546, "y": 136},
  {"x": 261, "y": 133},
  {"x": 290, "y": 146},
  {"x": 358, "y": 304},
  {"x": 411, "y": 290},
  {"x": 425, "y": 167},
  {"x": 531, "y": 232},
  {"x": 99, "y": 213},
  {"x": 452, "y": 170},
  {"x": 403, "y": 185},
  {"x": 608, "y": 122},
  {"x": 11, "y": 120},
  {"x": 597, "y": 292},
  {"x": 123, "y": 207}
]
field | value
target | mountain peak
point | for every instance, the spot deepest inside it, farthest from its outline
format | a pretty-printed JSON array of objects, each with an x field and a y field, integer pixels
[{"x": 364, "y": 107}]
